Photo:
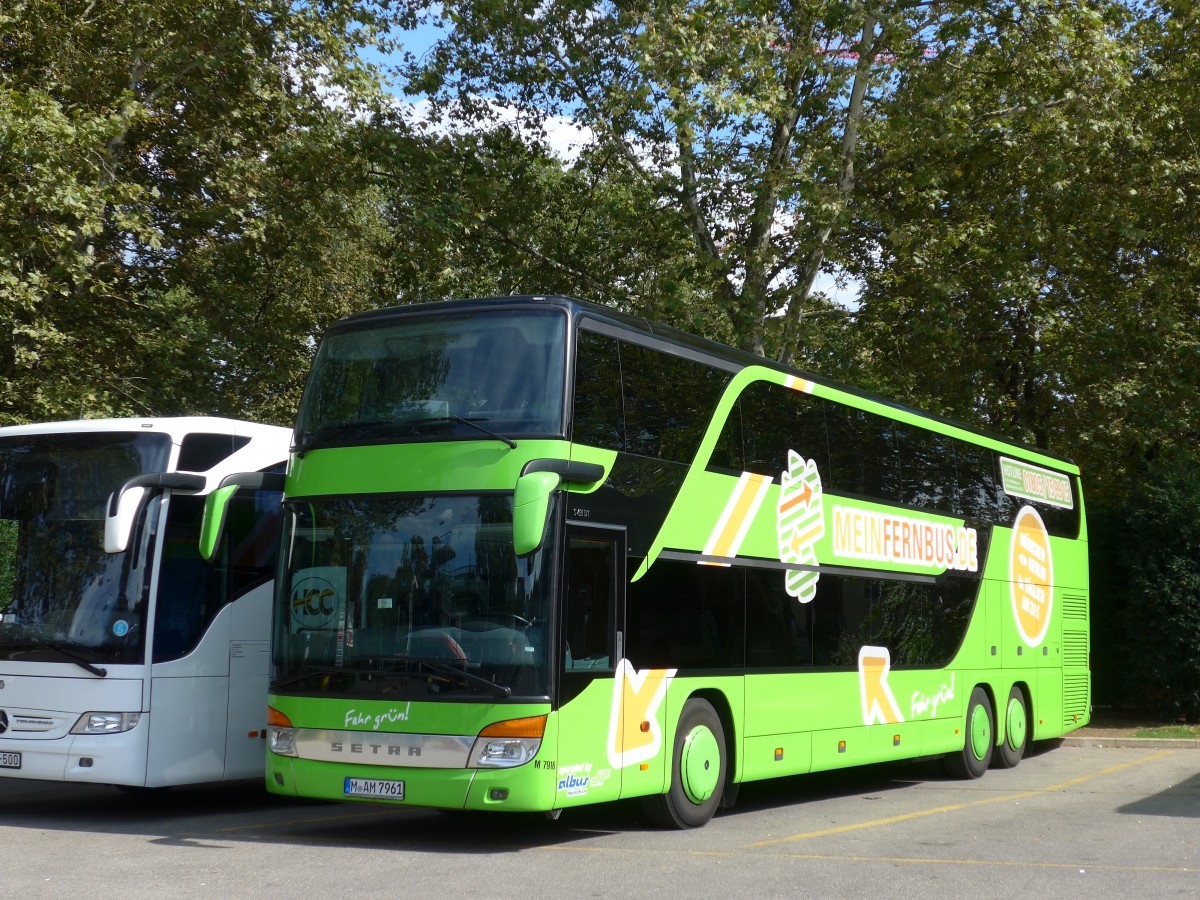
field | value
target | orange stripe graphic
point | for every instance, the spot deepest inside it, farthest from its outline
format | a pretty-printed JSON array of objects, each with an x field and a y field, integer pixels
[{"x": 747, "y": 499}]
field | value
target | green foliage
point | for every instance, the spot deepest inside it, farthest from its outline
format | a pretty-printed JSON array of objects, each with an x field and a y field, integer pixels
[
  {"x": 8, "y": 560},
  {"x": 135, "y": 139},
  {"x": 1028, "y": 234},
  {"x": 489, "y": 213},
  {"x": 1146, "y": 591},
  {"x": 738, "y": 120}
]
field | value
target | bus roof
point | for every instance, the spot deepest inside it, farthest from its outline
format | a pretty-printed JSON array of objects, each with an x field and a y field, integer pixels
[
  {"x": 174, "y": 426},
  {"x": 710, "y": 350}
]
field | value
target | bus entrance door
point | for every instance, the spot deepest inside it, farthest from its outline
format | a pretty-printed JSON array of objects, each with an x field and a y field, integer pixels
[{"x": 590, "y": 650}]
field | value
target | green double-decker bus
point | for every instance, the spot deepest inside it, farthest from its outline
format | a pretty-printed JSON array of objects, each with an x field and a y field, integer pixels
[{"x": 539, "y": 554}]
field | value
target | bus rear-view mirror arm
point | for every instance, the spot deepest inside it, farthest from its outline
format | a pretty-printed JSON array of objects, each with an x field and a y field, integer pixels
[
  {"x": 125, "y": 503},
  {"x": 215, "y": 504},
  {"x": 531, "y": 500}
]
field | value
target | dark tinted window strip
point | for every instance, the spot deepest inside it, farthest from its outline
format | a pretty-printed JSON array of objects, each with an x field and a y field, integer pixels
[{"x": 774, "y": 565}]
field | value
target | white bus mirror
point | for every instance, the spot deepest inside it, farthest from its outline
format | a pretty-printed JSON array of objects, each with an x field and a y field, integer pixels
[
  {"x": 125, "y": 505},
  {"x": 122, "y": 513}
]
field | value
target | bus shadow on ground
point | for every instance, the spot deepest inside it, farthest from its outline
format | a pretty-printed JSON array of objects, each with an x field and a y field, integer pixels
[
  {"x": 216, "y": 815},
  {"x": 1177, "y": 801}
]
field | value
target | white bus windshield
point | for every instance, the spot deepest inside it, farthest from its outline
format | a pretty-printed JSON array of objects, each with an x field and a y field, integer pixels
[{"x": 62, "y": 598}]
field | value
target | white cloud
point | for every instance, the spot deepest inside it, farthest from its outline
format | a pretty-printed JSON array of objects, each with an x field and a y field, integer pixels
[{"x": 562, "y": 136}]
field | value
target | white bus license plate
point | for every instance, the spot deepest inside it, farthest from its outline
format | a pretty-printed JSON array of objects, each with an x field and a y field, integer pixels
[
  {"x": 374, "y": 787},
  {"x": 10, "y": 760}
]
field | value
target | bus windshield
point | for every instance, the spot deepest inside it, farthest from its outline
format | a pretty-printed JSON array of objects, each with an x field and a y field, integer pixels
[
  {"x": 407, "y": 597},
  {"x": 62, "y": 598},
  {"x": 430, "y": 376}
]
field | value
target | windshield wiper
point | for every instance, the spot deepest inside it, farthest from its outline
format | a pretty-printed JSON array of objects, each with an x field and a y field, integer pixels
[
  {"x": 357, "y": 428},
  {"x": 500, "y": 690},
  {"x": 473, "y": 423},
  {"x": 307, "y": 672},
  {"x": 75, "y": 658},
  {"x": 417, "y": 662}
]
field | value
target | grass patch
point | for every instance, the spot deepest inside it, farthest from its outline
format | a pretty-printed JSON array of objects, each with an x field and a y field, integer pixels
[{"x": 1170, "y": 731}]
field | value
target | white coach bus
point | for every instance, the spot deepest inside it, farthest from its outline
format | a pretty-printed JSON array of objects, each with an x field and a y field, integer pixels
[{"x": 127, "y": 658}]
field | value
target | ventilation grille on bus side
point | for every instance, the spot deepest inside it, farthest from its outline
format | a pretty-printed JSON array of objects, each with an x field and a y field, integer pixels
[
  {"x": 1075, "y": 607},
  {"x": 1075, "y": 699},
  {"x": 1076, "y": 659},
  {"x": 1075, "y": 649}
]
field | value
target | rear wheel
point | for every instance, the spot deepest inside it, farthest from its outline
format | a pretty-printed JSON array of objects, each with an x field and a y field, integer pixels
[
  {"x": 697, "y": 770},
  {"x": 1016, "y": 728},
  {"x": 976, "y": 755}
]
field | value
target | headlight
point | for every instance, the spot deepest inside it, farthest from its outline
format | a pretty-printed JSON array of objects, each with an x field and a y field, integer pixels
[
  {"x": 282, "y": 741},
  {"x": 106, "y": 722},
  {"x": 503, "y": 753},
  {"x": 503, "y": 745},
  {"x": 281, "y": 735}
]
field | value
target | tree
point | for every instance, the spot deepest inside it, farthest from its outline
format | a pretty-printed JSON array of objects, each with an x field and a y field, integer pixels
[
  {"x": 493, "y": 212},
  {"x": 742, "y": 119},
  {"x": 1146, "y": 611},
  {"x": 1019, "y": 269},
  {"x": 134, "y": 137}
]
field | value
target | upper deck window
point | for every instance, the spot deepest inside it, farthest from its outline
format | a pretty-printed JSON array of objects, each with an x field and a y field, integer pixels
[{"x": 432, "y": 375}]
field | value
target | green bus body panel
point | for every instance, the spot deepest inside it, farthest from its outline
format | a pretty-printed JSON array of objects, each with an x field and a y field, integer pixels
[
  {"x": 430, "y": 467},
  {"x": 614, "y": 739},
  {"x": 704, "y": 494}
]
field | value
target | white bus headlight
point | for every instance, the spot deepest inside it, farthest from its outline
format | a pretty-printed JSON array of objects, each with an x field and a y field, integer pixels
[{"x": 106, "y": 722}]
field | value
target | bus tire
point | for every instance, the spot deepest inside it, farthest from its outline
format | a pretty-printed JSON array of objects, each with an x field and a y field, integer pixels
[
  {"x": 979, "y": 742},
  {"x": 698, "y": 762},
  {"x": 1015, "y": 725}
]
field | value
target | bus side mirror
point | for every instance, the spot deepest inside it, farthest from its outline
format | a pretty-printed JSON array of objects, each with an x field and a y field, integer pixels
[
  {"x": 213, "y": 523},
  {"x": 531, "y": 504},
  {"x": 217, "y": 503},
  {"x": 125, "y": 504},
  {"x": 122, "y": 512}
]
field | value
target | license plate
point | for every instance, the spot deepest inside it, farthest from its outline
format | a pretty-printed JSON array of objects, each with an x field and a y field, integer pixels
[
  {"x": 374, "y": 787},
  {"x": 10, "y": 760}
]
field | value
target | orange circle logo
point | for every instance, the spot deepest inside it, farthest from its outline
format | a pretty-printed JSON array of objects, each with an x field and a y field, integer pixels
[{"x": 1031, "y": 576}]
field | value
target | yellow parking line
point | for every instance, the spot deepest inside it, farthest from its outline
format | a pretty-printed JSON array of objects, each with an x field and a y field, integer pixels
[
  {"x": 892, "y": 820},
  {"x": 1004, "y": 863}
]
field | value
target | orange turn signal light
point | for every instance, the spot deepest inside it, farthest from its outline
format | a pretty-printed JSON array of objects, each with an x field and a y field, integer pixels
[{"x": 529, "y": 727}]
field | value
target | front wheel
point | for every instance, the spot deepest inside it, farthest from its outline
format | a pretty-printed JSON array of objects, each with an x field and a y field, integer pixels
[
  {"x": 1016, "y": 728},
  {"x": 976, "y": 755},
  {"x": 697, "y": 770}
]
